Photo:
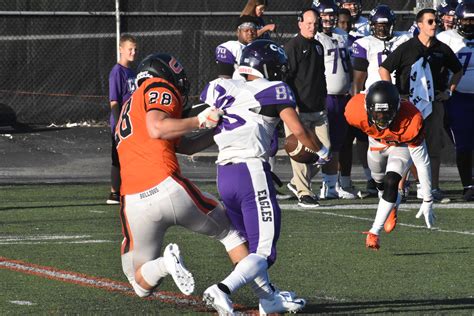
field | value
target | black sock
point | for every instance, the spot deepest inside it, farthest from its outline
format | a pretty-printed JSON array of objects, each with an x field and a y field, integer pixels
[{"x": 223, "y": 288}]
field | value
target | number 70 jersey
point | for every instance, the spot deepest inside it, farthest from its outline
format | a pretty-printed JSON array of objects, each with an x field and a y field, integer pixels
[{"x": 243, "y": 133}]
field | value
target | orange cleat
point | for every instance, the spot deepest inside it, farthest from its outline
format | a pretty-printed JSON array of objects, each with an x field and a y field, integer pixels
[
  {"x": 372, "y": 241},
  {"x": 391, "y": 221}
]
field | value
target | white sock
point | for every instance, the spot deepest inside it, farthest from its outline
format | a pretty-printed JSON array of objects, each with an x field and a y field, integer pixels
[
  {"x": 245, "y": 271},
  {"x": 368, "y": 174},
  {"x": 345, "y": 181},
  {"x": 383, "y": 210},
  {"x": 261, "y": 286},
  {"x": 153, "y": 271},
  {"x": 331, "y": 180}
]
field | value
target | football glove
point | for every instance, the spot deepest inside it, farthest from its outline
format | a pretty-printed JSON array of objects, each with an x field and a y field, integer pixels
[
  {"x": 209, "y": 118},
  {"x": 426, "y": 210},
  {"x": 324, "y": 156}
]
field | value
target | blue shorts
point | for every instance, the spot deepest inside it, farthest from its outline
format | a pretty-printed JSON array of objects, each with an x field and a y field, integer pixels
[{"x": 336, "y": 104}]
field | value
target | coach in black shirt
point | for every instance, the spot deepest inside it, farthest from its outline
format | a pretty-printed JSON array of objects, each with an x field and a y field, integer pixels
[
  {"x": 440, "y": 59},
  {"x": 307, "y": 80},
  {"x": 306, "y": 60}
]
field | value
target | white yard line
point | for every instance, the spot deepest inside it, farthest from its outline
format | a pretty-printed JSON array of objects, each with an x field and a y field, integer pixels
[
  {"x": 403, "y": 207},
  {"x": 28, "y": 303},
  {"x": 194, "y": 302},
  {"x": 55, "y": 239}
]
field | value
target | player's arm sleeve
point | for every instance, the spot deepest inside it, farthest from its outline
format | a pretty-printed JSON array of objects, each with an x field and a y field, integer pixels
[
  {"x": 207, "y": 94},
  {"x": 115, "y": 93},
  {"x": 225, "y": 61},
  {"x": 420, "y": 157},
  {"x": 162, "y": 97},
  {"x": 359, "y": 57}
]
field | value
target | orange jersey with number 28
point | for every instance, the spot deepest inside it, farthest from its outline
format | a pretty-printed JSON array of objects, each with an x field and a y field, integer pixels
[{"x": 146, "y": 161}]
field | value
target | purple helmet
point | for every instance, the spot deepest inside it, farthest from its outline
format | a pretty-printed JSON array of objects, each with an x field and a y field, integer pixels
[
  {"x": 465, "y": 11},
  {"x": 382, "y": 19},
  {"x": 357, "y": 10},
  {"x": 446, "y": 7},
  {"x": 264, "y": 59},
  {"x": 327, "y": 10}
]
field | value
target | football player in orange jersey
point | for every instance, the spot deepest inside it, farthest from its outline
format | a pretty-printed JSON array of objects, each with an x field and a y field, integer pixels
[
  {"x": 155, "y": 195},
  {"x": 395, "y": 130}
]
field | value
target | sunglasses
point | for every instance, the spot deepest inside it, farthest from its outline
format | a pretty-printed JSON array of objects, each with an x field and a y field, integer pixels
[{"x": 431, "y": 21}]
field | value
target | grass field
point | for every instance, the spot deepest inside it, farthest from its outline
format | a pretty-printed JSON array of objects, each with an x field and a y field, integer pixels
[{"x": 60, "y": 254}]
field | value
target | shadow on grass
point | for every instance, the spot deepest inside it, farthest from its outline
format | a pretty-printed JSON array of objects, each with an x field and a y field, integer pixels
[
  {"x": 11, "y": 208},
  {"x": 19, "y": 128},
  {"x": 395, "y": 306},
  {"x": 428, "y": 253}
]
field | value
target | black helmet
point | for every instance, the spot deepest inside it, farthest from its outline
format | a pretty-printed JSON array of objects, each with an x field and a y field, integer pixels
[
  {"x": 382, "y": 102},
  {"x": 166, "y": 67},
  {"x": 465, "y": 11},
  {"x": 264, "y": 59}
]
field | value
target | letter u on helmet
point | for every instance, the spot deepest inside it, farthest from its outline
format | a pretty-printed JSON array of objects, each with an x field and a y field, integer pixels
[{"x": 166, "y": 67}]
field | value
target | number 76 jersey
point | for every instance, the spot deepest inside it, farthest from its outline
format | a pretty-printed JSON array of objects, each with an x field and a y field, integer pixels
[{"x": 244, "y": 133}]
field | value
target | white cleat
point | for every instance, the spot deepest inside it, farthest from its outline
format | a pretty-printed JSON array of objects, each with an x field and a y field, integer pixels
[
  {"x": 349, "y": 193},
  {"x": 282, "y": 302},
  {"x": 174, "y": 264},
  {"x": 218, "y": 300},
  {"x": 328, "y": 192}
]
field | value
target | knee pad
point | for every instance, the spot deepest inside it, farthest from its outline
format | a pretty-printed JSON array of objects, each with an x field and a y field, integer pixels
[
  {"x": 231, "y": 240},
  {"x": 391, "y": 186}
]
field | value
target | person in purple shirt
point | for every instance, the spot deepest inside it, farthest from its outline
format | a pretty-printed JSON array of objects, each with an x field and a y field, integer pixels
[{"x": 121, "y": 87}]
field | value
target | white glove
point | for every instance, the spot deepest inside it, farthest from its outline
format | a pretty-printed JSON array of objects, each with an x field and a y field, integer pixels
[
  {"x": 209, "y": 117},
  {"x": 426, "y": 210}
]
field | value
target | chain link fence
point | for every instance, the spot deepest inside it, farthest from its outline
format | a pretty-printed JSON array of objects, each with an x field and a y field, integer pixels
[{"x": 55, "y": 56}]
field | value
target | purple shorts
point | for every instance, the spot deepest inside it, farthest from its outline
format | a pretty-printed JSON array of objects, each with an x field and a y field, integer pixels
[{"x": 249, "y": 196}]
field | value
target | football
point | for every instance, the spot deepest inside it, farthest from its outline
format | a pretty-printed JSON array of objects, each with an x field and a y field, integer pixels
[{"x": 299, "y": 152}]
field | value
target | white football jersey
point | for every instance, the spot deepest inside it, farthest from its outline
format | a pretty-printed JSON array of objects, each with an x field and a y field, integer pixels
[
  {"x": 375, "y": 51},
  {"x": 361, "y": 28},
  {"x": 336, "y": 59},
  {"x": 464, "y": 50},
  {"x": 243, "y": 134}
]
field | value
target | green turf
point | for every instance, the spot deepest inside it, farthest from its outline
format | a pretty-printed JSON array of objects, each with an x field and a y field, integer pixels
[{"x": 320, "y": 256}]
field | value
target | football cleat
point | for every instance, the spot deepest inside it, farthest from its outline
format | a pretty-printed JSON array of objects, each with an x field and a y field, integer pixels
[
  {"x": 328, "y": 192},
  {"x": 174, "y": 265},
  {"x": 114, "y": 198},
  {"x": 347, "y": 193},
  {"x": 307, "y": 201},
  {"x": 281, "y": 302},
  {"x": 220, "y": 301},
  {"x": 391, "y": 221},
  {"x": 372, "y": 241}
]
